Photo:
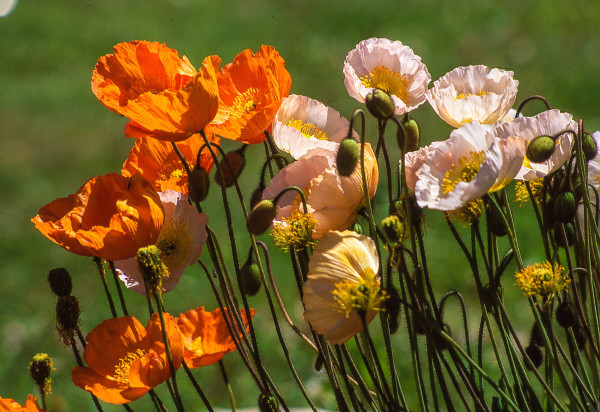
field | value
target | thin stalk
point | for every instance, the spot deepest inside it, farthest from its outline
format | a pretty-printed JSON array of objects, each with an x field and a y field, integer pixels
[
  {"x": 118, "y": 285},
  {"x": 100, "y": 265}
]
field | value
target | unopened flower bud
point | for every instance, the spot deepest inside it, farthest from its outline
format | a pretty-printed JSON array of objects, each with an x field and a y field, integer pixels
[
  {"x": 60, "y": 282},
  {"x": 357, "y": 227},
  {"x": 565, "y": 315},
  {"x": 569, "y": 234},
  {"x": 380, "y": 104},
  {"x": 565, "y": 207},
  {"x": 67, "y": 318},
  {"x": 250, "y": 276},
  {"x": 588, "y": 144},
  {"x": 347, "y": 157},
  {"x": 152, "y": 267},
  {"x": 237, "y": 161},
  {"x": 411, "y": 135},
  {"x": 199, "y": 184},
  {"x": 540, "y": 149},
  {"x": 495, "y": 223},
  {"x": 267, "y": 403},
  {"x": 535, "y": 354},
  {"x": 261, "y": 217},
  {"x": 536, "y": 337},
  {"x": 393, "y": 230},
  {"x": 40, "y": 369}
]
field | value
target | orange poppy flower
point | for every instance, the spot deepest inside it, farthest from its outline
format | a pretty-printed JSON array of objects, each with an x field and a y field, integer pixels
[
  {"x": 126, "y": 360},
  {"x": 162, "y": 95},
  {"x": 158, "y": 163},
  {"x": 206, "y": 338},
  {"x": 250, "y": 92},
  {"x": 9, "y": 405},
  {"x": 110, "y": 217}
]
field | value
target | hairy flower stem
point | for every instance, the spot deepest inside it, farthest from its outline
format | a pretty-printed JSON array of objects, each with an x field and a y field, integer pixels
[
  {"x": 102, "y": 271},
  {"x": 196, "y": 386},
  {"x": 118, "y": 286}
]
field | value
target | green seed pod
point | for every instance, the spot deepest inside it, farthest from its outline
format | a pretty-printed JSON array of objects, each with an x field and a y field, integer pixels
[
  {"x": 261, "y": 217},
  {"x": 393, "y": 230},
  {"x": 565, "y": 315},
  {"x": 347, "y": 157},
  {"x": 588, "y": 144},
  {"x": 534, "y": 352},
  {"x": 237, "y": 161},
  {"x": 40, "y": 369},
  {"x": 60, "y": 282},
  {"x": 565, "y": 207},
  {"x": 413, "y": 135},
  {"x": 540, "y": 149},
  {"x": 199, "y": 184},
  {"x": 357, "y": 227},
  {"x": 250, "y": 275},
  {"x": 569, "y": 232},
  {"x": 380, "y": 104}
]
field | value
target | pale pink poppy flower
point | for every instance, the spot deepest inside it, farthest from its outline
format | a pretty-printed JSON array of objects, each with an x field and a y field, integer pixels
[
  {"x": 390, "y": 66},
  {"x": 179, "y": 242},
  {"x": 303, "y": 124}
]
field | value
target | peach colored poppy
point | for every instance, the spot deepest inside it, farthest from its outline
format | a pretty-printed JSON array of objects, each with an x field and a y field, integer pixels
[
  {"x": 9, "y": 405},
  {"x": 162, "y": 95},
  {"x": 157, "y": 161},
  {"x": 206, "y": 338},
  {"x": 110, "y": 217},
  {"x": 126, "y": 360},
  {"x": 250, "y": 92}
]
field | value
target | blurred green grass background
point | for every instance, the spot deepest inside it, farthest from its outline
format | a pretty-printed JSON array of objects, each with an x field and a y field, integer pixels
[{"x": 56, "y": 135}]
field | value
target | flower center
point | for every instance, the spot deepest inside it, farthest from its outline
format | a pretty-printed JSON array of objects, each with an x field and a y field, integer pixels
[
  {"x": 390, "y": 82},
  {"x": 195, "y": 346},
  {"x": 122, "y": 368},
  {"x": 174, "y": 243},
  {"x": 465, "y": 170},
  {"x": 245, "y": 102},
  {"x": 295, "y": 231},
  {"x": 365, "y": 295},
  {"x": 522, "y": 195},
  {"x": 542, "y": 280},
  {"x": 307, "y": 129},
  {"x": 477, "y": 93}
]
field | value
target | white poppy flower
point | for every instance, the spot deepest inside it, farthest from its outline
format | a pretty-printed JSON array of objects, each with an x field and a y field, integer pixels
[{"x": 473, "y": 93}]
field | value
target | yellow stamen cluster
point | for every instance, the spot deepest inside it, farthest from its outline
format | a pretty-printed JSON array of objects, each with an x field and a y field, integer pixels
[
  {"x": 365, "y": 295},
  {"x": 122, "y": 368},
  {"x": 522, "y": 196},
  {"x": 295, "y": 231},
  {"x": 245, "y": 102},
  {"x": 465, "y": 170},
  {"x": 195, "y": 346},
  {"x": 477, "y": 93},
  {"x": 307, "y": 129},
  {"x": 153, "y": 268},
  {"x": 470, "y": 212},
  {"x": 390, "y": 82},
  {"x": 542, "y": 280},
  {"x": 174, "y": 242}
]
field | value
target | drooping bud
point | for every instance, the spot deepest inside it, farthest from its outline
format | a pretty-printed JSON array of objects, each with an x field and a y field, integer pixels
[
  {"x": 237, "y": 161},
  {"x": 67, "y": 318},
  {"x": 535, "y": 354},
  {"x": 261, "y": 217},
  {"x": 393, "y": 230},
  {"x": 588, "y": 144},
  {"x": 569, "y": 234},
  {"x": 267, "y": 403},
  {"x": 412, "y": 135},
  {"x": 380, "y": 104},
  {"x": 153, "y": 269},
  {"x": 540, "y": 149},
  {"x": 250, "y": 276},
  {"x": 40, "y": 368},
  {"x": 347, "y": 157},
  {"x": 565, "y": 315},
  {"x": 565, "y": 207},
  {"x": 536, "y": 337},
  {"x": 199, "y": 184},
  {"x": 60, "y": 282},
  {"x": 256, "y": 196}
]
